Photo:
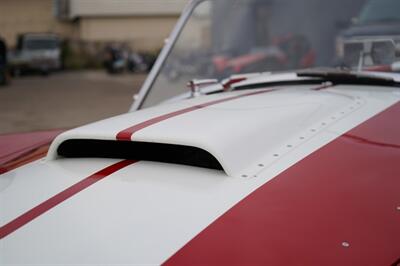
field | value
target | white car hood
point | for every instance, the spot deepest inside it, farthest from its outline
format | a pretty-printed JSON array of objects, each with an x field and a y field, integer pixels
[{"x": 145, "y": 212}]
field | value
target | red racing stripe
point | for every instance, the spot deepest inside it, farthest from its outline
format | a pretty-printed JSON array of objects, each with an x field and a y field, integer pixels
[
  {"x": 126, "y": 134},
  {"x": 60, "y": 197},
  {"x": 338, "y": 206}
]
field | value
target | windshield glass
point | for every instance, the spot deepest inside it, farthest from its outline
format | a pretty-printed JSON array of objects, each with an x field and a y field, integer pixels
[
  {"x": 40, "y": 44},
  {"x": 226, "y": 37},
  {"x": 380, "y": 11}
]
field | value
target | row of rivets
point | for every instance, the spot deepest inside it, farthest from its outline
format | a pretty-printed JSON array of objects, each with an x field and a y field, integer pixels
[{"x": 314, "y": 131}]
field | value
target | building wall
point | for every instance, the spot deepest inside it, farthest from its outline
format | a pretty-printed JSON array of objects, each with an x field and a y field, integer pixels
[
  {"x": 144, "y": 24},
  {"x": 20, "y": 16},
  {"x": 87, "y": 8},
  {"x": 143, "y": 33}
]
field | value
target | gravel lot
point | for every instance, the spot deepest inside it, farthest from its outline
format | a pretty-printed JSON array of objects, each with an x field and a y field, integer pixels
[{"x": 64, "y": 100}]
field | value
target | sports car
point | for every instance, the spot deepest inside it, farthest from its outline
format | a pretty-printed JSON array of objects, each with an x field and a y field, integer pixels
[{"x": 294, "y": 167}]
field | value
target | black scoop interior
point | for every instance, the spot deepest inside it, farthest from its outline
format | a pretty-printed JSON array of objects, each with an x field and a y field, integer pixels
[{"x": 141, "y": 151}]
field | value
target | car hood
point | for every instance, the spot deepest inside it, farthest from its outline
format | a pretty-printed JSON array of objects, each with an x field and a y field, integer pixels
[{"x": 62, "y": 210}]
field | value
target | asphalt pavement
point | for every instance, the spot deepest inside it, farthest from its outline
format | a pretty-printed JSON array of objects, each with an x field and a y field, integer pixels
[{"x": 65, "y": 99}]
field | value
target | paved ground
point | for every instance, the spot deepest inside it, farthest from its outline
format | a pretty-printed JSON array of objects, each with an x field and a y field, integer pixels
[{"x": 64, "y": 100}]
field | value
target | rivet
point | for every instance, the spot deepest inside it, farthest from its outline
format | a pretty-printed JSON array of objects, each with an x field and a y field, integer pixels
[
  {"x": 346, "y": 244},
  {"x": 324, "y": 124},
  {"x": 244, "y": 175},
  {"x": 276, "y": 155},
  {"x": 313, "y": 130},
  {"x": 261, "y": 165},
  {"x": 301, "y": 137},
  {"x": 289, "y": 146}
]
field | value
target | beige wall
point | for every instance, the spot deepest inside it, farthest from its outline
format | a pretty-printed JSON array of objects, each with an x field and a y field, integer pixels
[
  {"x": 144, "y": 33},
  {"x": 20, "y": 16},
  {"x": 95, "y": 8}
]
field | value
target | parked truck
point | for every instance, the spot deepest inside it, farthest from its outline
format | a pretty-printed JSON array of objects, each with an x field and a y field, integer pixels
[{"x": 38, "y": 52}]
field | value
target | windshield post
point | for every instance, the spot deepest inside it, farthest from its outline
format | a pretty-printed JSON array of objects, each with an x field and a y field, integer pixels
[{"x": 169, "y": 44}]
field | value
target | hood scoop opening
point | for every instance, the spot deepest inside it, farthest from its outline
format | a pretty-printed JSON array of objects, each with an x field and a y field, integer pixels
[{"x": 141, "y": 151}]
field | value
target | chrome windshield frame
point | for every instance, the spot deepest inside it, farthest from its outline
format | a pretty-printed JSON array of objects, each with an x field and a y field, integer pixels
[{"x": 168, "y": 46}]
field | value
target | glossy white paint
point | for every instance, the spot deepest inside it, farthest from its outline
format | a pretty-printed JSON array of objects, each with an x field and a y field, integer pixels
[{"x": 144, "y": 213}]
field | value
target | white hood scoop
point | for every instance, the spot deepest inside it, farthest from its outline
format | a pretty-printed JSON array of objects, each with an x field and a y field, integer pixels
[{"x": 239, "y": 136}]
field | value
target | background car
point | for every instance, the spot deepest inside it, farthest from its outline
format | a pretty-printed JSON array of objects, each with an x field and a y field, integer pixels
[
  {"x": 38, "y": 52},
  {"x": 4, "y": 77},
  {"x": 373, "y": 37}
]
